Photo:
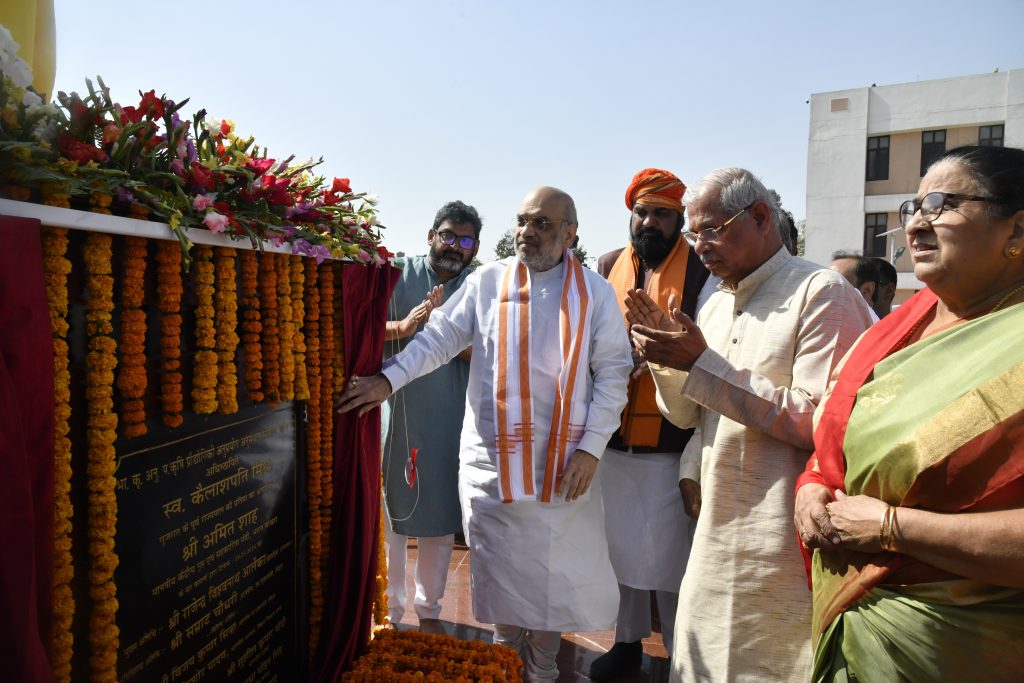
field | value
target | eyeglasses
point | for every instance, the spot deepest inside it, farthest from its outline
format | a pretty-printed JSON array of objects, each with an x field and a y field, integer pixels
[
  {"x": 448, "y": 237},
  {"x": 711, "y": 234},
  {"x": 539, "y": 224},
  {"x": 933, "y": 204}
]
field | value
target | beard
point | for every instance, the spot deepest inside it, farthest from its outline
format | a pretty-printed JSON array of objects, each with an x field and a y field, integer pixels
[
  {"x": 652, "y": 246},
  {"x": 447, "y": 260}
]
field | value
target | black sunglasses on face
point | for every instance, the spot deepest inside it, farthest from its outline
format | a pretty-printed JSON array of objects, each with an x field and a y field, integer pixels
[{"x": 450, "y": 238}]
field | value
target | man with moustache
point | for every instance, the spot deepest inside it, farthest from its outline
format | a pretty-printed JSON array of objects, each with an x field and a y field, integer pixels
[
  {"x": 426, "y": 417},
  {"x": 547, "y": 383},
  {"x": 748, "y": 376},
  {"x": 648, "y": 529}
]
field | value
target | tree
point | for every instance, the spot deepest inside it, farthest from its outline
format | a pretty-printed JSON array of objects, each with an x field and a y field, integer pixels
[{"x": 506, "y": 247}]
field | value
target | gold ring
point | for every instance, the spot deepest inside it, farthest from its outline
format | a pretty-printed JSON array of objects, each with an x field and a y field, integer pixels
[{"x": 828, "y": 509}]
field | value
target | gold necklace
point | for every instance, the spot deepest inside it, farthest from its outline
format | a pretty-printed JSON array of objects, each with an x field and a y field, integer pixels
[{"x": 1006, "y": 297}]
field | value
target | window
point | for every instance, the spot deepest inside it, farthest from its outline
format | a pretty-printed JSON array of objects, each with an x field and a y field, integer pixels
[
  {"x": 990, "y": 136},
  {"x": 933, "y": 146},
  {"x": 878, "y": 158},
  {"x": 874, "y": 241}
]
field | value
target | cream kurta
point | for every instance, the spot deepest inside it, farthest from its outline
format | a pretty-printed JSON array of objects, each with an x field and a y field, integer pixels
[
  {"x": 537, "y": 565},
  {"x": 744, "y": 606}
]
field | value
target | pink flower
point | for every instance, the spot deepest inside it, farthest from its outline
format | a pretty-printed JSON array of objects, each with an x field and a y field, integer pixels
[
  {"x": 363, "y": 256},
  {"x": 202, "y": 201},
  {"x": 216, "y": 222}
]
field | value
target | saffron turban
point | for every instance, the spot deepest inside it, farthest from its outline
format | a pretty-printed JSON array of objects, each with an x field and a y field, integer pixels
[{"x": 655, "y": 187}]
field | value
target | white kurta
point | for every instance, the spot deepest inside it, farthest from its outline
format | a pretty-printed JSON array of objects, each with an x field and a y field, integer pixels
[
  {"x": 536, "y": 565},
  {"x": 744, "y": 606}
]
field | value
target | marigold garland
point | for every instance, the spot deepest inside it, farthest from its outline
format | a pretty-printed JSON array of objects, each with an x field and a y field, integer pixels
[
  {"x": 204, "y": 368},
  {"x": 251, "y": 325},
  {"x": 339, "y": 331},
  {"x": 299, "y": 339},
  {"x": 380, "y": 596},
  {"x": 56, "y": 194},
  {"x": 226, "y": 299},
  {"x": 100, "y": 202},
  {"x": 327, "y": 388},
  {"x": 101, "y": 431},
  {"x": 313, "y": 468},
  {"x": 131, "y": 378},
  {"x": 286, "y": 326},
  {"x": 56, "y": 268},
  {"x": 271, "y": 343},
  {"x": 169, "y": 292},
  {"x": 417, "y": 657}
]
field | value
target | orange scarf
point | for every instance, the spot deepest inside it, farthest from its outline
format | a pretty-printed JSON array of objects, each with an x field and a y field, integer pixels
[
  {"x": 513, "y": 408},
  {"x": 641, "y": 420}
]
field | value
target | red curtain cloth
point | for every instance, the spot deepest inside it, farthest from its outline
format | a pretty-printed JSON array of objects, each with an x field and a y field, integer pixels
[
  {"x": 365, "y": 291},
  {"x": 26, "y": 455}
]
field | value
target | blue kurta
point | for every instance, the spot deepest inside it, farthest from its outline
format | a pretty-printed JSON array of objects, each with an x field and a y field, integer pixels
[{"x": 426, "y": 414}]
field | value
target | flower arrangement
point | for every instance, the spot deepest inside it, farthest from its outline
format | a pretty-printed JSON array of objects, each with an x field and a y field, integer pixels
[
  {"x": 192, "y": 172},
  {"x": 416, "y": 657}
]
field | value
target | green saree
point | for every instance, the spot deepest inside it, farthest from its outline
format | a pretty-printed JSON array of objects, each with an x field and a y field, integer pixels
[{"x": 936, "y": 425}]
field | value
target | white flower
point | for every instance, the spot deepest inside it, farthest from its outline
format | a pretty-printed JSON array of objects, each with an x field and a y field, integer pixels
[
  {"x": 13, "y": 66},
  {"x": 31, "y": 99}
]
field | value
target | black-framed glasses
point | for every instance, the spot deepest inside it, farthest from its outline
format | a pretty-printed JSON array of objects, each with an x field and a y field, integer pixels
[
  {"x": 712, "y": 234},
  {"x": 538, "y": 223},
  {"x": 465, "y": 241},
  {"x": 933, "y": 204}
]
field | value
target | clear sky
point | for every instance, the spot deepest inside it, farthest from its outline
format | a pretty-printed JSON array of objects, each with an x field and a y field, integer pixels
[{"x": 422, "y": 102}]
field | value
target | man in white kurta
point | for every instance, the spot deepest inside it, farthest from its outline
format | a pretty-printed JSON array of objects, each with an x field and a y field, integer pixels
[
  {"x": 748, "y": 376},
  {"x": 538, "y": 568}
]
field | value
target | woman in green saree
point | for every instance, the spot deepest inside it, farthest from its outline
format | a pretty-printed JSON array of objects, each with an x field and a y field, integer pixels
[{"x": 913, "y": 501}]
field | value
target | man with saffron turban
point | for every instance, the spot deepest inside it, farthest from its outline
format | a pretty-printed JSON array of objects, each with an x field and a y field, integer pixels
[
  {"x": 647, "y": 526},
  {"x": 547, "y": 383}
]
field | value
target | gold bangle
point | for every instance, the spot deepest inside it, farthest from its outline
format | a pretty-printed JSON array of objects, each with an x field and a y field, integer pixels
[
  {"x": 891, "y": 536},
  {"x": 882, "y": 524}
]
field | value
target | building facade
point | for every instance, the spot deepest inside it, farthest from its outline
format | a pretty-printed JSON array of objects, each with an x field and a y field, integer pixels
[{"x": 869, "y": 147}]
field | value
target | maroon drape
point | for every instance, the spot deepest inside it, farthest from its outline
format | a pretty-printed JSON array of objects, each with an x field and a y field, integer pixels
[
  {"x": 26, "y": 455},
  {"x": 355, "y": 521}
]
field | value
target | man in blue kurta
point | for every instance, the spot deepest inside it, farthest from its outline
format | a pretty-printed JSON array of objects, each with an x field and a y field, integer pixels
[{"x": 423, "y": 420}]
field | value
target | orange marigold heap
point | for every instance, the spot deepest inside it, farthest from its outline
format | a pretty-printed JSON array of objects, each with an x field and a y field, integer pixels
[
  {"x": 226, "y": 299},
  {"x": 131, "y": 378},
  {"x": 56, "y": 268},
  {"x": 380, "y": 596},
  {"x": 251, "y": 324},
  {"x": 204, "y": 373},
  {"x": 169, "y": 291},
  {"x": 416, "y": 657},
  {"x": 101, "y": 431},
  {"x": 271, "y": 343}
]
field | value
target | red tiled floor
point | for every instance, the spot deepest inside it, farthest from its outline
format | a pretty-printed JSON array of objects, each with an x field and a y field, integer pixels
[{"x": 578, "y": 649}]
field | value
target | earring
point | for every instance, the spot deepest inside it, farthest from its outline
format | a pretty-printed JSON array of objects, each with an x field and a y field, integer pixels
[{"x": 1012, "y": 252}]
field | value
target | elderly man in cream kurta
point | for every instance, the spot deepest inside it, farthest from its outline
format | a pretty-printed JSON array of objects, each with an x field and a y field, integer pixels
[{"x": 748, "y": 376}]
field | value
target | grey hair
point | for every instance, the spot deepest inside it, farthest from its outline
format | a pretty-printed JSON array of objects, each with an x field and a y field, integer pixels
[{"x": 739, "y": 188}]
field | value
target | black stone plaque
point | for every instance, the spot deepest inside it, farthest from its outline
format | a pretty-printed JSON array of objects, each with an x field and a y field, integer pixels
[{"x": 207, "y": 540}]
